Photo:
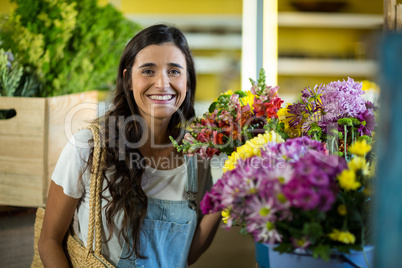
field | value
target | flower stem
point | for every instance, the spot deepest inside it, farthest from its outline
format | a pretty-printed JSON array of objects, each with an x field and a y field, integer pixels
[
  {"x": 364, "y": 252},
  {"x": 332, "y": 146},
  {"x": 344, "y": 145}
]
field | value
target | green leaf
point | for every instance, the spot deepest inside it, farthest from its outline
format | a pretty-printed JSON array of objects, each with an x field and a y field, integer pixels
[
  {"x": 345, "y": 121},
  {"x": 80, "y": 52},
  {"x": 243, "y": 231},
  {"x": 284, "y": 248},
  {"x": 322, "y": 251},
  {"x": 366, "y": 138},
  {"x": 261, "y": 79},
  {"x": 212, "y": 107},
  {"x": 313, "y": 230},
  {"x": 355, "y": 121},
  {"x": 241, "y": 93}
]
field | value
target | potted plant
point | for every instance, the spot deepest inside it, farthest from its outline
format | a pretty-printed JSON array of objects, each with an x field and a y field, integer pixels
[{"x": 56, "y": 55}]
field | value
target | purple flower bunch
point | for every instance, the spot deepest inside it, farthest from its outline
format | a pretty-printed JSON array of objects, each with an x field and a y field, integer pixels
[
  {"x": 313, "y": 184},
  {"x": 326, "y": 104},
  {"x": 264, "y": 190}
]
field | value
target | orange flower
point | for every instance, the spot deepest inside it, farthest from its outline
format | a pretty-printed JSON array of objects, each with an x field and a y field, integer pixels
[{"x": 217, "y": 138}]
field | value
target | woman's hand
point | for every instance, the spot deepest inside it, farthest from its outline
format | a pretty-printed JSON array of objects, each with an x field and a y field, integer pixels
[
  {"x": 58, "y": 216},
  {"x": 203, "y": 236}
]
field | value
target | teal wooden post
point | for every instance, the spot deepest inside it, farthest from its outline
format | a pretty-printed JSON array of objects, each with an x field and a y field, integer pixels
[{"x": 388, "y": 200}]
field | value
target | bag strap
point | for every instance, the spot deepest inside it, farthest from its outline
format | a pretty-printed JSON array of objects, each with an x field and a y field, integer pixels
[
  {"x": 95, "y": 215},
  {"x": 192, "y": 180}
]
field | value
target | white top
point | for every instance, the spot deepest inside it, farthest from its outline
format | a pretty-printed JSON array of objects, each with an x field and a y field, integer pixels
[{"x": 158, "y": 184}]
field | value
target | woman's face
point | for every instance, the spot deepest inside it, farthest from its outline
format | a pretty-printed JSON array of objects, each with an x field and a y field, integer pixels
[{"x": 159, "y": 80}]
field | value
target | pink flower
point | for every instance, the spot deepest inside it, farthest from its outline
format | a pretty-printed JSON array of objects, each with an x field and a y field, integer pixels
[
  {"x": 189, "y": 138},
  {"x": 254, "y": 89}
]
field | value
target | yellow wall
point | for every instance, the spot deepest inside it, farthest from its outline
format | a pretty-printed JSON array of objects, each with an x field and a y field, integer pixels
[
  {"x": 319, "y": 42},
  {"x": 327, "y": 43},
  {"x": 352, "y": 6},
  {"x": 182, "y": 6}
]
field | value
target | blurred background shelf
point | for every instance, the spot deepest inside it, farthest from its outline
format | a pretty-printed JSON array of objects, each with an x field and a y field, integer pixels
[
  {"x": 329, "y": 20},
  {"x": 326, "y": 67}
]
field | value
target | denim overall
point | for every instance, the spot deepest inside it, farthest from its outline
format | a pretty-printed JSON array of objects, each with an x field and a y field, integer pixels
[{"x": 168, "y": 229}]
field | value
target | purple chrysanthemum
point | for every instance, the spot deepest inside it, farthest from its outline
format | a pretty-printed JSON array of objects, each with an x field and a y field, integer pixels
[
  {"x": 310, "y": 184},
  {"x": 296, "y": 112},
  {"x": 343, "y": 99},
  {"x": 368, "y": 124}
]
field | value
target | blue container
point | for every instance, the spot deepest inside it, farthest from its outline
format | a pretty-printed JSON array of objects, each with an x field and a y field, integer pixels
[{"x": 268, "y": 258}]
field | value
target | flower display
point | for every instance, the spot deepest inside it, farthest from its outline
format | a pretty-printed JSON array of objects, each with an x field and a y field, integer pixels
[
  {"x": 233, "y": 119},
  {"x": 308, "y": 189}
]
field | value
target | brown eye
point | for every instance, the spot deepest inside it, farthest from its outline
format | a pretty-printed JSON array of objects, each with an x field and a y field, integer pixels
[
  {"x": 174, "y": 72},
  {"x": 147, "y": 72}
]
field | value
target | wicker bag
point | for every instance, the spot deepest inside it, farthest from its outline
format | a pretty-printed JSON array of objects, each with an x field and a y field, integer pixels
[{"x": 76, "y": 252}]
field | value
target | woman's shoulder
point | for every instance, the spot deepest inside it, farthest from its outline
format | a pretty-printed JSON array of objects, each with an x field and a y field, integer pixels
[
  {"x": 72, "y": 163},
  {"x": 81, "y": 138},
  {"x": 78, "y": 145}
]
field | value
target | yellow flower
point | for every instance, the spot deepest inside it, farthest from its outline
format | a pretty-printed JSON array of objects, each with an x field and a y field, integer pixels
[
  {"x": 249, "y": 99},
  {"x": 283, "y": 114},
  {"x": 231, "y": 162},
  {"x": 347, "y": 180},
  {"x": 360, "y": 148},
  {"x": 342, "y": 210},
  {"x": 344, "y": 237},
  {"x": 227, "y": 92},
  {"x": 251, "y": 148},
  {"x": 226, "y": 215},
  {"x": 359, "y": 163},
  {"x": 368, "y": 85}
]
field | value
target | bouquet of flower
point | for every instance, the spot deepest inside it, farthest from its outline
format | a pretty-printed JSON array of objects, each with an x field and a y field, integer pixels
[
  {"x": 295, "y": 195},
  {"x": 335, "y": 113},
  {"x": 234, "y": 118},
  {"x": 309, "y": 190}
]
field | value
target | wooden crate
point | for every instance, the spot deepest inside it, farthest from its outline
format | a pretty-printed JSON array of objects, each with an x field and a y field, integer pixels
[{"x": 31, "y": 142}]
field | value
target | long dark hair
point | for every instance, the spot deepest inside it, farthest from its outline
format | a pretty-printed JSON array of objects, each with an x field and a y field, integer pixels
[{"x": 124, "y": 183}]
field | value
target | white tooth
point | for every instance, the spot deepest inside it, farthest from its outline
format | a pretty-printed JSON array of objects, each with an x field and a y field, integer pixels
[{"x": 164, "y": 97}]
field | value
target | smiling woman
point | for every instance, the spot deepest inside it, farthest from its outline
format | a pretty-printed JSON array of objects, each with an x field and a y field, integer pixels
[
  {"x": 150, "y": 192},
  {"x": 159, "y": 81}
]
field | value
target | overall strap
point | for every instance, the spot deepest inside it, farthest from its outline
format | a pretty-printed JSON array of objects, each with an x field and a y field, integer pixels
[{"x": 192, "y": 180}]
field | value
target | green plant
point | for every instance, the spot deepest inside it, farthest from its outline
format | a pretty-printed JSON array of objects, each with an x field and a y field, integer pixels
[
  {"x": 14, "y": 78},
  {"x": 70, "y": 45}
]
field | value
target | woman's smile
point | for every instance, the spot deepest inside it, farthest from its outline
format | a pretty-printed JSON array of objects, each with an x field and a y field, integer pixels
[{"x": 161, "y": 98}]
